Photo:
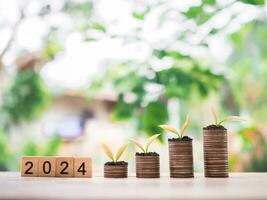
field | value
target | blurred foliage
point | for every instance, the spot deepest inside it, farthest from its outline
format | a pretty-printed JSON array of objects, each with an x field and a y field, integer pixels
[
  {"x": 155, "y": 113},
  {"x": 185, "y": 79},
  {"x": 141, "y": 15},
  {"x": 86, "y": 28},
  {"x": 10, "y": 156},
  {"x": 254, "y": 2},
  {"x": 198, "y": 14},
  {"x": 135, "y": 101},
  {"x": 82, "y": 8},
  {"x": 253, "y": 153},
  {"x": 49, "y": 148},
  {"x": 51, "y": 49},
  {"x": 201, "y": 14},
  {"x": 258, "y": 164},
  {"x": 26, "y": 98},
  {"x": 249, "y": 63},
  {"x": 5, "y": 152},
  {"x": 52, "y": 46},
  {"x": 181, "y": 83}
]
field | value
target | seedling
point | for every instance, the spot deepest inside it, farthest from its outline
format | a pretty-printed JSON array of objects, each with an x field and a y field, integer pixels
[
  {"x": 177, "y": 132},
  {"x": 109, "y": 153},
  {"x": 228, "y": 118},
  {"x": 144, "y": 148}
]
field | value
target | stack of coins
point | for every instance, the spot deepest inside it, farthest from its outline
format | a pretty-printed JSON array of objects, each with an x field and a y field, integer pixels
[
  {"x": 181, "y": 158},
  {"x": 147, "y": 166},
  {"x": 215, "y": 153},
  {"x": 116, "y": 171}
]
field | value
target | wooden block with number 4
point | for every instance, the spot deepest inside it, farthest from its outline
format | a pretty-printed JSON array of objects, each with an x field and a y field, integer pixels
[
  {"x": 29, "y": 166},
  {"x": 64, "y": 166},
  {"x": 82, "y": 167}
]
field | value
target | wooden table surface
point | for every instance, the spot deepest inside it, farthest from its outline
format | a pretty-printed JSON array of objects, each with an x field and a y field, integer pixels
[{"x": 252, "y": 186}]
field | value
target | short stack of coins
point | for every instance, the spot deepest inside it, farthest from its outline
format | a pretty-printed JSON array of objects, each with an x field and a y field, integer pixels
[
  {"x": 147, "y": 166},
  {"x": 181, "y": 158},
  {"x": 215, "y": 153},
  {"x": 116, "y": 171}
]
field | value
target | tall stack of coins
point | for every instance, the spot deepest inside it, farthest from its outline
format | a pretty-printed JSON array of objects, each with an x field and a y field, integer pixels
[
  {"x": 147, "y": 166},
  {"x": 116, "y": 171},
  {"x": 215, "y": 153},
  {"x": 181, "y": 158}
]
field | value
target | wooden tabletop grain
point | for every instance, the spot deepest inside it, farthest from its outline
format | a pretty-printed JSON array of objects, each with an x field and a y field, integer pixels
[{"x": 250, "y": 186}]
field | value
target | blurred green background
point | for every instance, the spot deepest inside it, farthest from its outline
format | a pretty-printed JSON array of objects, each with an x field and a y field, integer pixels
[{"x": 74, "y": 73}]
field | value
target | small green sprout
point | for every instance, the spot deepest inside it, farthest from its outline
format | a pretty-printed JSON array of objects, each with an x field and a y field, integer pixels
[
  {"x": 177, "y": 132},
  {"x": 228, "y": 118},
  {"x": 110, "y": 154},
  {"x": 144, "y": 148}
]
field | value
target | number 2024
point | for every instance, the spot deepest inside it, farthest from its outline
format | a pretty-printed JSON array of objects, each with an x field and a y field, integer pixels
[{"x": 47, "y": 167}]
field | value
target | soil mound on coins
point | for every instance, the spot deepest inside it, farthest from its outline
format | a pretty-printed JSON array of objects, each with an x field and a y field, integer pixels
[
  {"x": 116, "y": 163},
  {"x": 214, "y": 127}
]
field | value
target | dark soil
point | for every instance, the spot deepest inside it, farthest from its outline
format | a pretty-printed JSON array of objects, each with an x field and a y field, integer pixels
[
  {"x": 119, "y": 163},
  {"x": 214, "y": 127},
  {"x": 185, "y": 138},
  {"x": 147, "y": 154}
]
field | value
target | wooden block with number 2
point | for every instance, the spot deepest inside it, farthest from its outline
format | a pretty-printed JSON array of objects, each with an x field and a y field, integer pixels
[
  {"x": 64, "y": 166},
  {"x": 82, "y": 167},
  {"x": 29, "y": 166}
]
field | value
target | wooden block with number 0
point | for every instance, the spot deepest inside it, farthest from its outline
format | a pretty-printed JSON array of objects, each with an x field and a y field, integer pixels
[
  {"x": 47, "y": 166},
  {"x": 82, "y": 167},
  {"x": 64, "y": 166},
  {"x": 29, "y": 166}
]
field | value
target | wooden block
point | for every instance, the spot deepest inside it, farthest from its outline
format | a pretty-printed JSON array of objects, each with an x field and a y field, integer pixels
[
  {"x": 47, "y": 166},
  {"x": 64, "y": 166},
  {"x": 83, "y": 167},
  {"x": 29, "y": 166}
]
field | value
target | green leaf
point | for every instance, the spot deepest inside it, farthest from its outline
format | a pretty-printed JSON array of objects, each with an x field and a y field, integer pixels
[
  {"x": 170, "y": 129},
  {"x": 108, "y": 152},
  {"x": 232, "y": 119},
  {"x": 138, "y": 145},
  {"x": 214, "y": 116},
  {"x": 185, "y": 125},
  {"x": 150, "y": 140},
  {"x": 120, "y": 152}
]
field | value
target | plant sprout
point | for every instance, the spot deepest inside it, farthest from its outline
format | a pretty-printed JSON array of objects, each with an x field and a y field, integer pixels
[
  {"x": 228, "y": 118},
  {"x": 145, "y": 147},
  {"x": 178, "y": 132},
  {"x": 110, "y": 154}
]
